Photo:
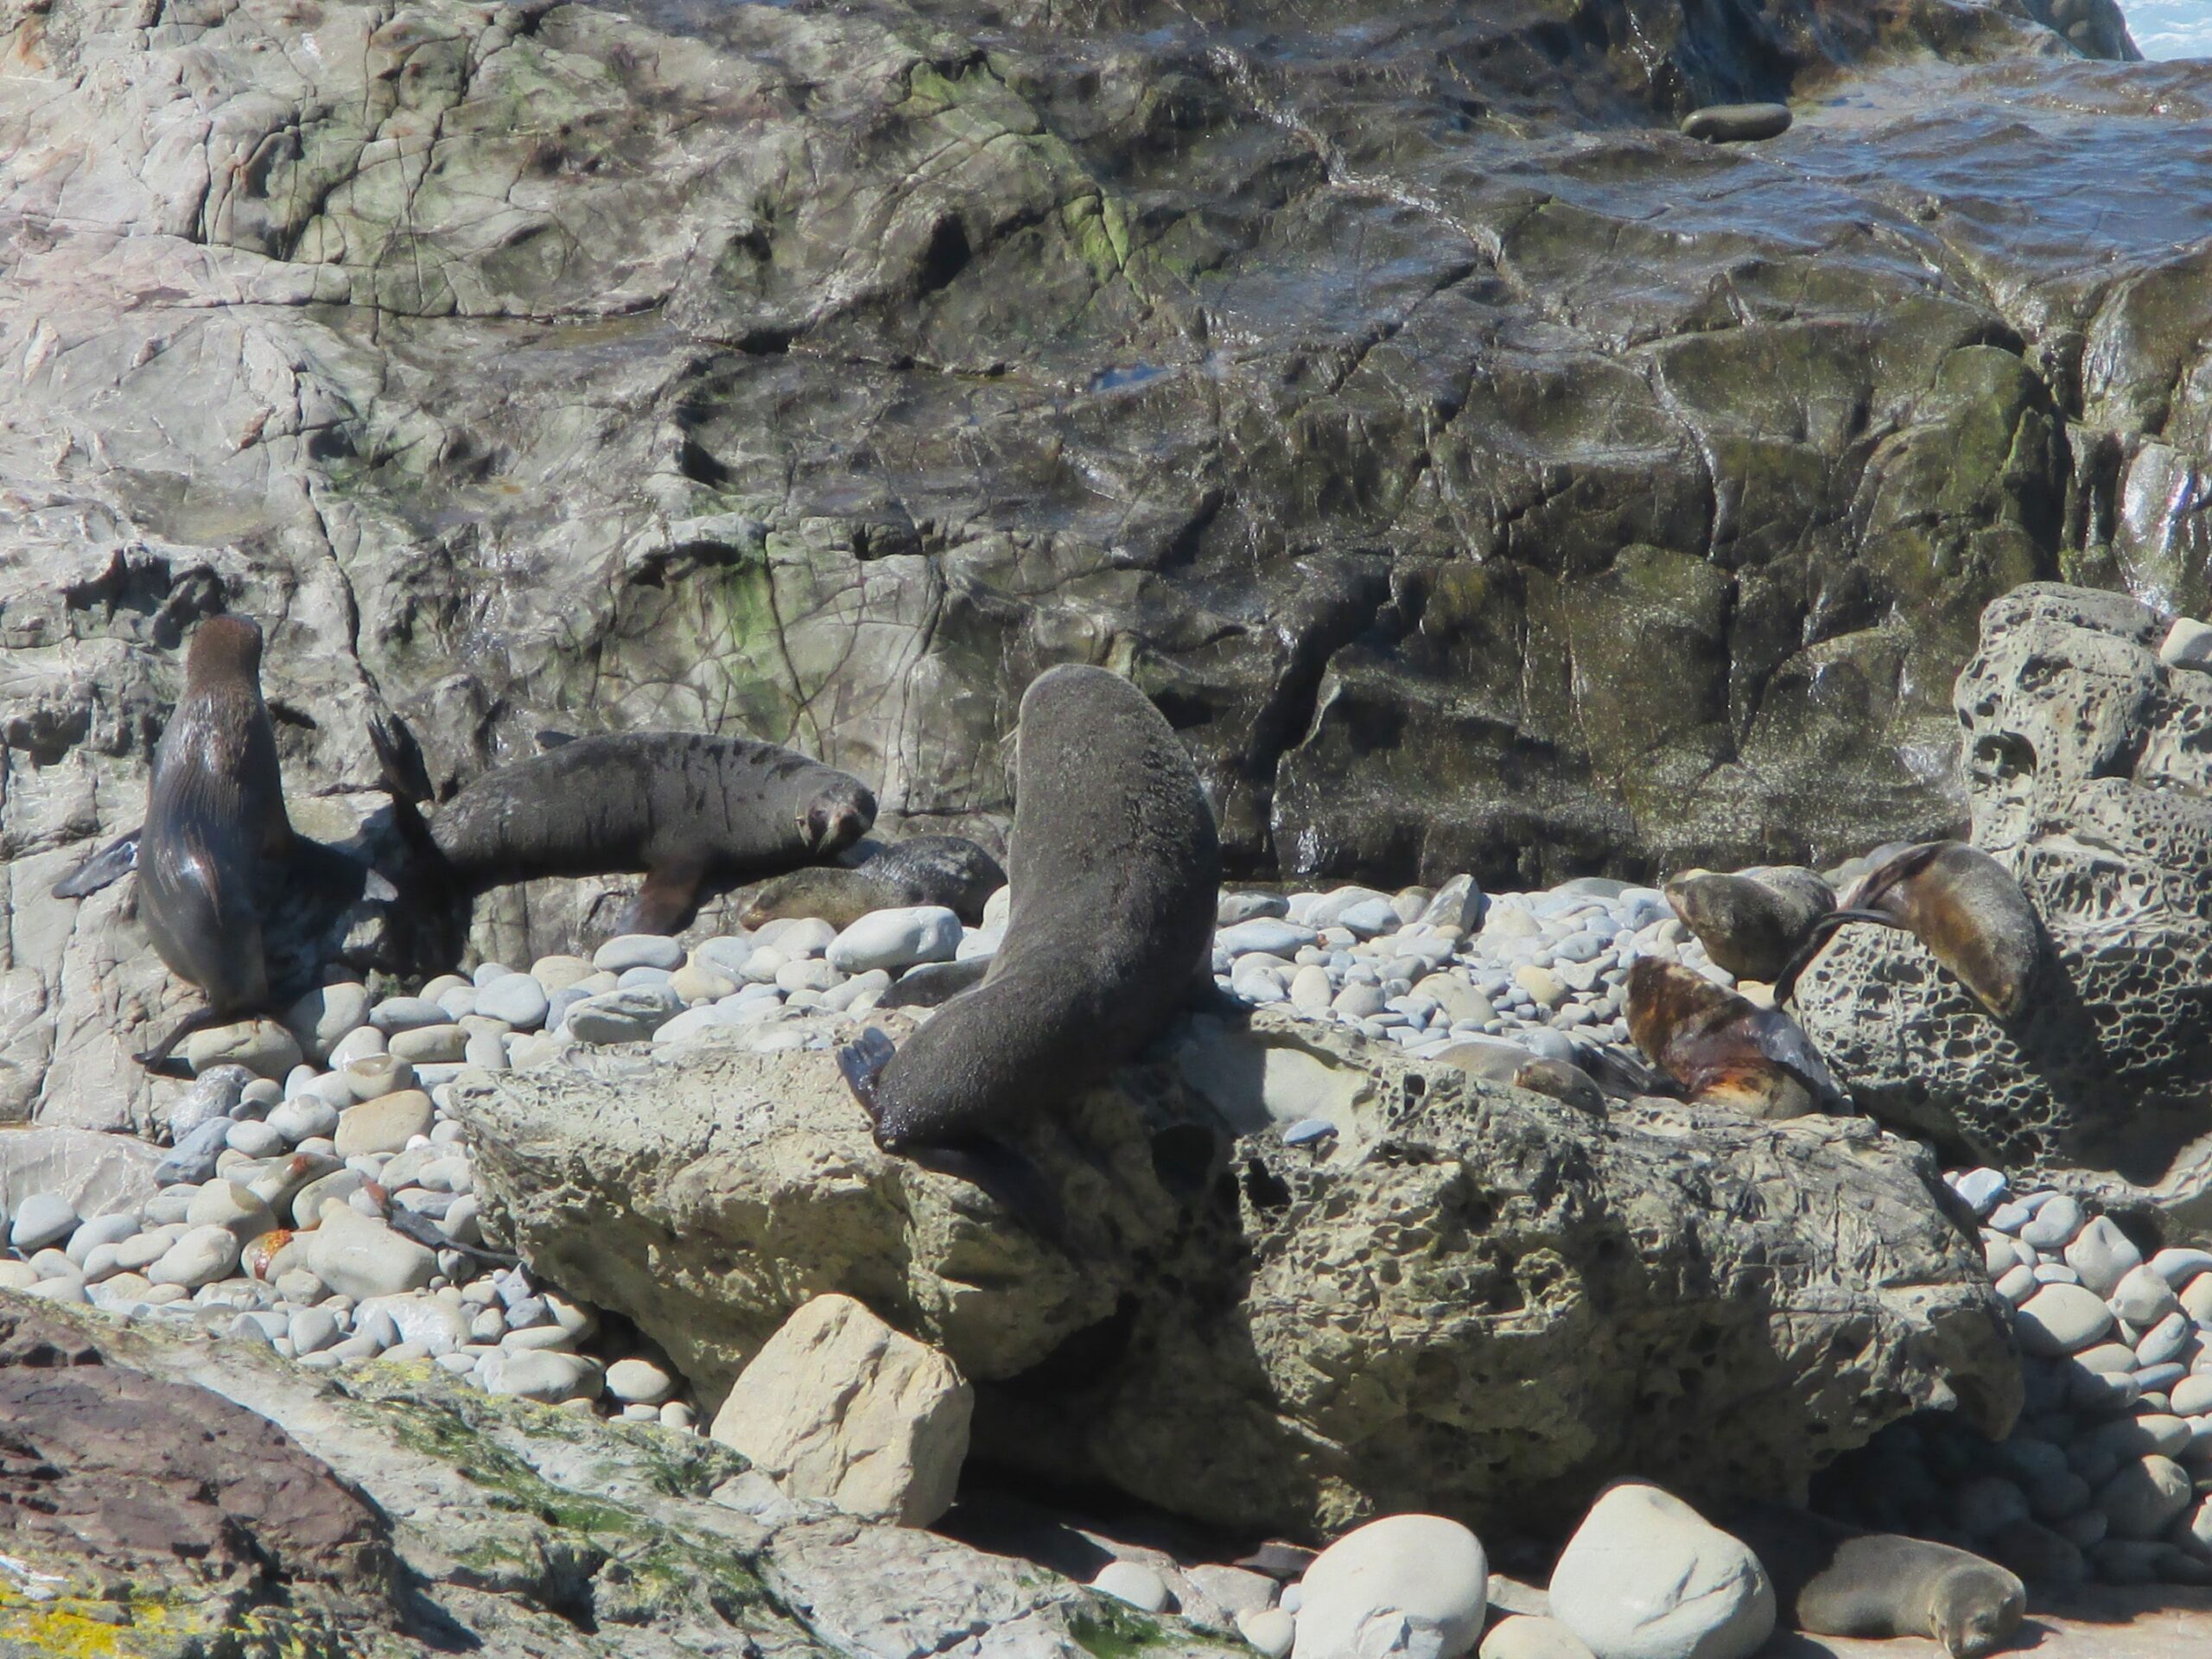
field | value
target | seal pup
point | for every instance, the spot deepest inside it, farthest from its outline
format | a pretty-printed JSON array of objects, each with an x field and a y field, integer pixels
[
  {"x": 1964, "y": 906},
  {"x": 680, "y": 806},
  {"x": 1751, "y": 922},
  {"x": 1116, "y": 872},
  {"x": 1723, "y": 1049},
  {"x": 214, "y": 810},
  {"x": 1831, "y": 1579},
  {"x": 948, "y": 870}
]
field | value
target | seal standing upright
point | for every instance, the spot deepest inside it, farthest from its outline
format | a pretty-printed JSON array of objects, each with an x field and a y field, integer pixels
[
  {"x": 1116, "y": 875},
  {"x": 1752, "y": 922},
  {"x": 215, "y": 809},
  {"x": 678, "y": 805}
]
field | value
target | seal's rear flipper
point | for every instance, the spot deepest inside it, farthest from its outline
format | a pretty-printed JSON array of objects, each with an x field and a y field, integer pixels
[
  {"x": 863, "y": 1061},
  {"x": 156, "y": 1058},
  {"x": 1007, "y": 1176},
  {"x": 110, "y": 864},
  {"x": 665, "y": 902}
]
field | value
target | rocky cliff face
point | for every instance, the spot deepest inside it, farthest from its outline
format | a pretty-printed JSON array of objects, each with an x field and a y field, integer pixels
[{"x": 1481, "y": 474}]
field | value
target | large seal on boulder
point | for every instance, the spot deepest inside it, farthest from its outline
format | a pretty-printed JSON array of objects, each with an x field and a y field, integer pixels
[
  {"x": 1964, "y": 906},
  {"x": 1831, "y": 1579},
  {"x": 1751, "y": 923},
  {"x": 948, "y": 870},
  {"x": 1722, "y": 1048},
  {"x": 1116, "y": 873},
  {"x": 678, "y": 805}
]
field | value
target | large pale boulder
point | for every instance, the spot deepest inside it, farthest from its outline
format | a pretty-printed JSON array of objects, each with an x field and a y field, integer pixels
[
  {"x": 1415, "y": 1586},
  {"x": 2088, "y": 779},
  {"x": 839, "y": 1405},
  {"x": 1470, "y": 1301},
  {"x": 1647, "y": 1577}
]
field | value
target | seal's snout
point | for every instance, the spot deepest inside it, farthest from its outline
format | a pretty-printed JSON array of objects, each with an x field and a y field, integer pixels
[{"x": 832, "y": 826}]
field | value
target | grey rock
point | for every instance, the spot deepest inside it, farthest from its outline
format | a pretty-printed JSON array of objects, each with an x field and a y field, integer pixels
[
  {"x": 40, "y": 1219},
  {"x": 582, "y": 1165}
]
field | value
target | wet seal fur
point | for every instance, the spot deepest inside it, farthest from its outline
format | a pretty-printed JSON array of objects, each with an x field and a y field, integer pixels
[
  {"x": 1116, "y": 873},
  {"x": 1722, "y": 1048},
  {"x": 1831, "y": 1579},
  {"x": 948, "y": 870},
  {"x": 214, "y": 810},
  {"x": 681, "y": 806},
  {"x": 1751, "y": 923},
  {"x": 1964, "y": 906}
]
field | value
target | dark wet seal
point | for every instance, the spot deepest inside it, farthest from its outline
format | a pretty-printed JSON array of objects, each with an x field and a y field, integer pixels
[
  {"x": 214, "y": 810},
  {"x": 1964, "y": 906},
  {"x": 1831, "y": 1579},
  {"x": 1737, "y": 123},
  {"x": 1751, "y": 923},
  {"x": 681, "y": 806},
  {"x": 1723, "y": 1049},
  {"x": 948, "y": 870},
  {"x": 1116, "y": 872}
]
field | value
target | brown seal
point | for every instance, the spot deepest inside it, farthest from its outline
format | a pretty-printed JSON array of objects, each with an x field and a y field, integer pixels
[
  {"x": 1964, "y": 906},
  {"x": 1831, "y": 1579},
  {"x": 680, "y": 806},
  {"x": 1116, "y": 874},
  {"x": 1723, "y": 1049},
  {"x": 1752, "y": 922},
  {"x": 214, "y": 810},
  {"x": 948, "y": 870}
]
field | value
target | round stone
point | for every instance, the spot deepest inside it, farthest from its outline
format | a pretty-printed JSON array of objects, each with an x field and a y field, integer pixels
[
  {"x": 2142, "y": 1297},
  {"x": 547, "y": 1376},
  {"x": 396, "y": 1013},
  {"x": 2062, "y": 1320},
  {"x": 896, "y": 938},
  {"x": 200, "y": 1256},
  {"x": 518, "y": 999},
  {"x": 1418, "y": 1582},
  {"x": 99, "y": 1230},
  {"x": 323, "y": 1018},
  {"x": 358, "y": 1256},
  {"x": 374, "y": 1076},
  {"x": 630, "y": 1016},
  {"x": 2101, "y": 1254},
  {"x": 638, "y": 951},
  {"x": 257, "y": 1139},
  {"x": 1134, "y": 1583},
  {"x": 2054, "y": 1224},
  {"x": 1271, "y": 1630},
  {"x": 697, "y": 982},
  {"x": 807, "y": 974},
  {"x": 2146, "y": 1497},
  {"x": 1646, "y": 1574},
  {"x": 1521, "y": 1636},
  {"x": 386, "y": 1124},
  {"x": 262, "y": 1046},
  {"x": 223, "y": 1203},
  {"x": 358, "y": 1043},
  {"x": 429, "y": 1045},
  {"x": 639, "y": 1382},
  {"x": 2192, "y": 1396},
  {"x": 303, "y": 1117},
  {"x": 42, "y": 1219}
]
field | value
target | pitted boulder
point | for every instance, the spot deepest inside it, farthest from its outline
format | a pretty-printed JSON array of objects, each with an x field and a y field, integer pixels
[
  {"x": 1470, "y": 1299},
  {"x": 2088, "y": 771}
]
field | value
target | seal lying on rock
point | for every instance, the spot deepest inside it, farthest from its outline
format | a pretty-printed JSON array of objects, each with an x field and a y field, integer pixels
[
  {"x": 1751, "y": 923},
  {"x": 678, "y": 805},
  {"x": 1116, "y": 871},
  {"x": 948, "y": 870},
  {"x": 1831, "y": 1579},
  {"x": 1956, "y": 900},
  {"x": 1723, "y": 1049}
]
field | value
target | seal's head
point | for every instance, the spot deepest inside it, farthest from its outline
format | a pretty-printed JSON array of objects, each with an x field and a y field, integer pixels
[
  {"x": 1976, "y": 1612},
  {"x": 225, "y": 650},
  {"x": 837, "y": 817}
]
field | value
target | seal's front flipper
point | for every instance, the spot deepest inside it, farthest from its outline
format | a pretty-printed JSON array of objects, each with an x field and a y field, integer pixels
[
  {"x": 863, "y": 1061},
  {"x": 665, "y": 902},
  {"x": 1007, "y": 1176},
  {"x": 110, "y": 864},
  {"x": 1816, "y": 939},
  {"x": 156, "y": 1058}
]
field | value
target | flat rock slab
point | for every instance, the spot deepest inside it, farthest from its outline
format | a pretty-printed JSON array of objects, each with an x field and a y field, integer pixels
[{"x": 2096, "y": 1621}]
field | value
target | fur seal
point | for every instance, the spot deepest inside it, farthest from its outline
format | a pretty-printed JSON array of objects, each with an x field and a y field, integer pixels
[
  {"x": 1752, "y": 922},
  {"x": 1722, "y": 1048},
  {"x": 214, "y": 810},
  {"x": 678, "y": 805},
  {"x": 1116, "y": 871},
  {"x": 1831, "y": 1579},
  {"x": 1964, "y": 906},
  {"x": 948, "y": 870}
]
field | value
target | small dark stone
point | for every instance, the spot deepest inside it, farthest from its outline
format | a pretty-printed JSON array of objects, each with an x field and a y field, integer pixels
[{"x": 1735, "y": 123}]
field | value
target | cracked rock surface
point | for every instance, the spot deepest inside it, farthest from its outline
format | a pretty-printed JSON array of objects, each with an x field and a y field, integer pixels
[
  {"x": 1481, "y": 474},
  {"x": 393, "y": 1513},
  {"x": 1470, "y": 1299}
]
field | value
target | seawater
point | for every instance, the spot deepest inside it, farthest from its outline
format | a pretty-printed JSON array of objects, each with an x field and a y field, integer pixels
[{"x": 2170, "y": 29}]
